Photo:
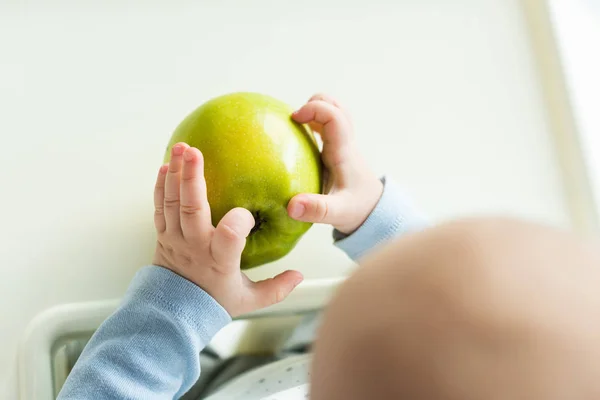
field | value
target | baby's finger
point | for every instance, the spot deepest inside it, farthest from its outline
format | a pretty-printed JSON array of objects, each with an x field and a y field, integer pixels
[
  {"x": 230, "y": 236},
  {"x": 159, "y": 199},
  {"x": 329, "y": 99},
  {"x": 326, "y": 98},
  {"x": 194, "y": 209},
  {"x": 316, "y": 127},
  {"x": 274, "y": 290},
  {"x": 318, "y": 208},
  {"x": 336, "y": 129},
  {"x": 172, "y": 199}
]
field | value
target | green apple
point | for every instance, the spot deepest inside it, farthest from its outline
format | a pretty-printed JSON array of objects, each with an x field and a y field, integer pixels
[{"x": 258, "y": 158}]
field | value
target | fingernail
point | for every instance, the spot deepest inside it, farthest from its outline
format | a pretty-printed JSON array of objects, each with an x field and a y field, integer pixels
[
  {"x": 177, "y": 150},
  {"x": 297, "y": 210},
  {"x": 188, "y": 155},
  {"x": 163, "y": 169}
]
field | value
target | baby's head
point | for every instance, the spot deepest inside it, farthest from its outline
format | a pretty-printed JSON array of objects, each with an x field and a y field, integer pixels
[
  {"x": 359, "y": 351},
  {"x": 468, "y": 310}
]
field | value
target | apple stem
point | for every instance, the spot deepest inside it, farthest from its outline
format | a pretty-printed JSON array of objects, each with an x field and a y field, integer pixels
[{"x": 258, "y": 221}]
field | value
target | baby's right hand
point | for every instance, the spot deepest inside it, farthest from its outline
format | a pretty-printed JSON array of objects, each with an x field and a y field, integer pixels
[{"x": 352, "y": 189}]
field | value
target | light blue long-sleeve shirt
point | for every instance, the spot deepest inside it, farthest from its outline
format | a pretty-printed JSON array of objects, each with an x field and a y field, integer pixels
[{"x": 149, "y": 347}]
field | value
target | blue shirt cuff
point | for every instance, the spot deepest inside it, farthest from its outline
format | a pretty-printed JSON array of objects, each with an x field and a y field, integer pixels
[
  {"x": 180, "y": 298},
  {"x": 393, "y": 216}
]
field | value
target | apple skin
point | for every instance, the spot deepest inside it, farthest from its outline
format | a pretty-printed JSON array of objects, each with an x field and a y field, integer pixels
[{"x": 258, "y": 158}]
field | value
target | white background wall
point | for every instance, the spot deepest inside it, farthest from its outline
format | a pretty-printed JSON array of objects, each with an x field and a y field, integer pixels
[
  {"x": 577, "y": 25},
  {"x": 444, "y": 96}
]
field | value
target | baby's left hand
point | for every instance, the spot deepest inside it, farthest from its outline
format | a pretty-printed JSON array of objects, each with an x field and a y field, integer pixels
[{"x": 190, "y": 246}]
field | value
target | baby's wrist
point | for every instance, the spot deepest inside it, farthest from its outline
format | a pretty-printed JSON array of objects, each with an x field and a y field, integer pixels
[{"x": 367, "y": 196}]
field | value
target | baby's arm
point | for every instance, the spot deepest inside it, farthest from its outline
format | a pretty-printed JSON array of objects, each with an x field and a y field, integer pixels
[
  {"x": 149, "y": 348},
  {"x": 364, "y": 210}
]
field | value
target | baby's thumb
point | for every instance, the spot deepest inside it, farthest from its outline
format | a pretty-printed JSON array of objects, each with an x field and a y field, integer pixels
[
  {"x": 317, "y": 208},
  {"x": 230, "y": 235},
  {"x": 272, "y": 291}
]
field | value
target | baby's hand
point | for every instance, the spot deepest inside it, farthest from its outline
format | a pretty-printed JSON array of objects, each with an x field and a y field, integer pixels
[
  {"x": 190, "y": 246},
  {"x": 353, "y": 190}
]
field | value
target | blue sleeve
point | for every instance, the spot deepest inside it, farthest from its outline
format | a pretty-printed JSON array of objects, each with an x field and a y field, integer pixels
[
  {"x": 393, "y": 216},
  {"x": 149, "y": 347}
]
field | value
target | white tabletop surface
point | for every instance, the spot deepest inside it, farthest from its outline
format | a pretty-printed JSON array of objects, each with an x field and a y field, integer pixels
[{"x": 444, "y": 97}]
